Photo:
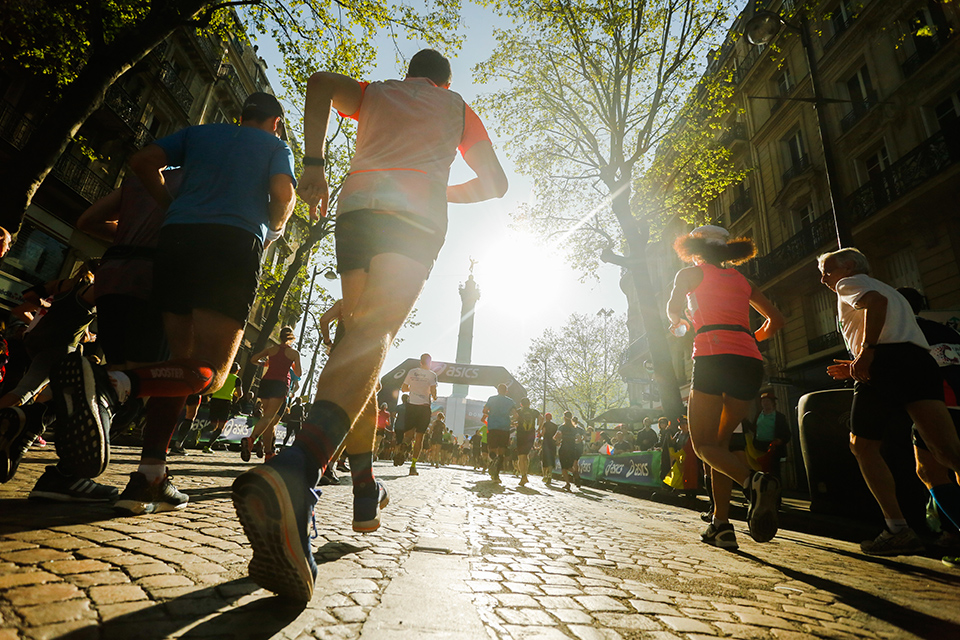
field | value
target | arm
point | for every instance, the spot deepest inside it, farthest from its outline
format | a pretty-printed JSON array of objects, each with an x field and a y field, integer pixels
[
  {"x": 874, "y": 304},
  {"x": 238, "y": 390},
  {"x": 282, "y": 199},
  {"x": 296, "y": 363},
  {"x": 148, "y": 164},
  {"x": 325, "y": 321},
  {"x": 433, "y": 391},
  {"x": 491, "y": 181},
  {"x": 257, "y": 357},
  {"x": 685, "y": 281},
  {"x": 324, "y": 90},
  {"x": 100, "y": 218},
  {"x": 774, "y": 319}
]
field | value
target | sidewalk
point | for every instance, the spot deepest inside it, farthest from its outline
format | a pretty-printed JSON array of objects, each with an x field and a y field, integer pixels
[{"x": 457, "y": 557}]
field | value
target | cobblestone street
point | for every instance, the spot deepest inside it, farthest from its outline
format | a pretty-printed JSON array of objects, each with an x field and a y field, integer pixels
[{"x": 457, "y": 557}]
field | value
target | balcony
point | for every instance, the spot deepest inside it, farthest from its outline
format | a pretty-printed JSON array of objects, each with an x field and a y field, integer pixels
[
  {"x": 927, "y": 47},
  {"x": 923, "y": 162},
  {"x": 122, "y": 104},
  {"x": 839, "y": 28},
  {"x": 142, "y": 136},
  {"x": 858, "y": 110},
  {"x": 15, "y": 127},
  {"x": 747, "y": 63},
  {"x": 740, "y": 206},
  {"x": 824, "y": 342},
  {"x": 631, "y": 359},
  {"x": 737, "y": 132},
  {"x": 228, "y": 76},
  {"x": 211, "y": 51},
  {"x": 181, "y": 95},
  {"x": 795, "y": 250},
  {"x": 80, "y": 179},
  {"x": 800, "y": 165}
]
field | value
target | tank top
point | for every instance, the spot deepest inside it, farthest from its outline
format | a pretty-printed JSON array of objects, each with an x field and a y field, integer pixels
[
  {"x": 722, "y": 298},
  {"x": 226, "y": 391},
  {"x": 278, "y": 366}
]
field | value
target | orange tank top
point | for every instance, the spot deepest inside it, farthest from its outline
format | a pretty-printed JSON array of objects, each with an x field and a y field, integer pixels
[{"x": 720, "y": 310}]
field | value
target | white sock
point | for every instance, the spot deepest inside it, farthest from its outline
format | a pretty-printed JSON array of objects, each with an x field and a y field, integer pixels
[
  {"x": 895, "y": 526},
  {"x": 153, "y": 472},
  {"x": 121, "y": 384},
  {"x": 718, "y": 522}
]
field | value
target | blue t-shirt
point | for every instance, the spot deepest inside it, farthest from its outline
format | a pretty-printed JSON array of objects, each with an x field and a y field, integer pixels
[
  {"x": 227, "y": 172},
  {"x": 498, "y": 419}
]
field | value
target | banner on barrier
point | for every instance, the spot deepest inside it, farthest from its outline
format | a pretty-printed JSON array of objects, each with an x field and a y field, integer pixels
[
  {"x": 641, "y": 468},
  {"x": 589, "y": 467}
]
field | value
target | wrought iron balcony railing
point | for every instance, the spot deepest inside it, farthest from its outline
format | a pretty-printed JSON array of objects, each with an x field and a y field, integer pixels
[
  {"x": 857, "y": 111},
  {"x": 181, "y": 95},
  {"x": 740, "y": 206},
  {"x": 799, "y": 166},
  {"x": 78, "y": 177},
  {"x": 929, "y": 46},
  {"x": 212, "y": 51},
  {"x": 736, "y": 132},
  {"x": 123, "y": 104},
  {"x": 15, "y": 127},
  {"x": 839, "y": 28},
  {"x": 824, "y": 342},
  {"x": 800, "y": 246},
  {"x": 229, "y": 76}
]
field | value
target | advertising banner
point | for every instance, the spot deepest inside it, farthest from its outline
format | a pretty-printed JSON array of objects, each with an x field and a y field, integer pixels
[
  {"x": 589, "y": 467},
  {"x": 641, "y": 468}
]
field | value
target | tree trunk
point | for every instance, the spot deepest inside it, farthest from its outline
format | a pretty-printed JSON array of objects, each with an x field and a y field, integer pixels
[
  {"x": 318, "y": 232},
  {"x": 30, "y": 166},
  {"x": 663, "y": 372}
]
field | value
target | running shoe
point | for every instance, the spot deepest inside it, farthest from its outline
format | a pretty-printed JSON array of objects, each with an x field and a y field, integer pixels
[
  {"x": 764, "y": 492},
  {"x": 245, "y": 449},
  {"x": 720, "y": 535},
  {"x": 178, "y": 450},
  {"x": 207, "y": 449},
  {"x": 951, "y": 561},
  {"x": 84, "y": 401},
  {"x": 342, "y": 467},
  {"x": 905, "y": 543},
  {"x": 59, "y": 486},
  {"x": 258, "y": 448},
  {"x": 366, "y": 509},
  {"x": 707, "y": 516},
  {"x": 15, "y": 439},
  {"x": 274, "y": 502},
  {"x": 413, "y": 470},
  {"x": 523, "y": 481},
  {"x": 141, "y": 496},
  {"x": 566, "y": 487}
]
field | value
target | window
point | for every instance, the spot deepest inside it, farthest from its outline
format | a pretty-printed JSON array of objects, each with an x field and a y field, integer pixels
[
  {"x": 903, "y": 271},
  {"x": 875, "y": 163},
  {"x": 784, "y": 82},
  {"x": 840, "y": 17},
  {"x": 803, "y": 216},
  {"x": 859, "y": 87},
  {"x": 823, "y": 313},
  {"x": 948, "y": 111},
  {"x": 796, "y": 153},
  {"x": 35, "y": 257}
]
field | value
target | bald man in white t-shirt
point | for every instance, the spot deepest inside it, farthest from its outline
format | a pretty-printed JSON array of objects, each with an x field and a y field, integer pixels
[{"x": 421, "y": 384}]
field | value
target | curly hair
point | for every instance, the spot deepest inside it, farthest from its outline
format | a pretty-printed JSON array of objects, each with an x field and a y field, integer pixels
[{"x": 735, "y": 251}]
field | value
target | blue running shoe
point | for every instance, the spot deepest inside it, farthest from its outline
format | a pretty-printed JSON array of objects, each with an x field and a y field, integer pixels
[
  {"x": 366, "y": 509},
  {"x": 274, "y": 502}
]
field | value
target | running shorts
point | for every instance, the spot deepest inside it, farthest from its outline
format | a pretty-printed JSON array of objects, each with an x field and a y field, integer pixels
[
  {"x": 207, "y": 266},
  {"x": 918, "y": 440},
  {"x": 365, "y": 233},
  {"x": 273, "y": 389},
  {"x": 220, "y": 409},
  {"x": 193, "y": 399},
  {"x": 900, "y": 374},
  {"x": 568, "y": 457},
  {"x": 525, "y": 441},
  {"x": 417, "y": 418},
  {"x": 498, "y": 439},
  {"x": 130, "y": 329},
  {"x": 726, "y": 374},
  {"x": 548, "y": 456}
]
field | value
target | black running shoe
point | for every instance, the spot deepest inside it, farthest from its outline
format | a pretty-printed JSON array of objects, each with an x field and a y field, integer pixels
[
  {"x": 56, "y": 485},
  {"x": 84, "y": 400},
  {"x": 141, "y": 496},
  {"x": 720, "y": 535},
  {"x": 15, "y": 439},
  {"x": 762, "y": 515}
]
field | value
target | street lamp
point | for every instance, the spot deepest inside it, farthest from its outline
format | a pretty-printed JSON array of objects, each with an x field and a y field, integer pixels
[
  {"x": 761, "y": 29},
  {"x": 329, "y": 274}
]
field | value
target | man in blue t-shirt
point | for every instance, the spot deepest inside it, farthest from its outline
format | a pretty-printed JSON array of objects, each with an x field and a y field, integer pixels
[
  {"x": 500, "y": 411},
  {"x": 235, "y": 199}
]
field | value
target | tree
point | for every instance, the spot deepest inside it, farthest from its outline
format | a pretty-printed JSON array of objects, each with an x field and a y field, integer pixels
[
  {"x": 577, "y": 366},
  {"x": 593, "y": 90},
  {"x": 69, "y": 54}
]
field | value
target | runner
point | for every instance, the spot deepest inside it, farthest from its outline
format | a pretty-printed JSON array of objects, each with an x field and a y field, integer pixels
[
  {"x": 437, "y": 430},
  {"x": 421, "y": 383},
  {"x": 222, "y": 403},
  {"x": 727, "y": 365},
  {"x": 499, "y": 411},
  {"x": 548, "y": 447},
  {"x": 185, "y": 429},
  {"x": 274, "y": 386},
  {"x": 527, "y": 422},
  {"x": 294, "y": 420},
  {"x": 390, "y": 227},
  {"x": 236, "y": 196},
  {"x": 570, "y": 437}
]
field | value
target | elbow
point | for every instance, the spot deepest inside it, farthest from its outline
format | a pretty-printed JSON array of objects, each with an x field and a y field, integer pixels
[{"x": 500, "y": 186}]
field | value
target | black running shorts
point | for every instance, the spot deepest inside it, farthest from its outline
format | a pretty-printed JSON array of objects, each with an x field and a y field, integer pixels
[
  {"x": 220, "y": 409},
  {"x": 363, "y": 234},
  {"x": 130, "y": 330},
  {"x": 736, "y": 376},
  {"x": 498, "y": 438},
  {"x": 900, "y": 373},
  {"x": 417, "y": 418},
  {"x": 207, "y": 266},
  {"x": 273, "y": 389},
  {"x": 525, "y": 441}
]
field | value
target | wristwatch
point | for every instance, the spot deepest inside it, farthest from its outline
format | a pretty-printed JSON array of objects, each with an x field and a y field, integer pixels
[{"x": 313, "y": 161}]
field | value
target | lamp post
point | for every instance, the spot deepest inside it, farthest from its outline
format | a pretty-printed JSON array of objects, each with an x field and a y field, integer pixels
[
  {"x": 761, "y": 29},
  {"x": 329, "y": 274}
]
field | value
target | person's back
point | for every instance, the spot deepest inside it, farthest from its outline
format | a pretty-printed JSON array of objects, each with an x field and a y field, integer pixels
[{"x": 500, "y": 407}]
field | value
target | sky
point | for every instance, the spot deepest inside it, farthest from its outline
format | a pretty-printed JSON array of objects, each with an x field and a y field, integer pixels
[{"x": 527, "y": 286}]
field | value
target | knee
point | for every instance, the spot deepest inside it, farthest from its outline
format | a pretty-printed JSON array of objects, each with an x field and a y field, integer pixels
[{"x": 862, "y": 447}]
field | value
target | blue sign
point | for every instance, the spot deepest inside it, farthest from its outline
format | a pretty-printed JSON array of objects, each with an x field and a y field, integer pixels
[{"x": 641, "y": 468}]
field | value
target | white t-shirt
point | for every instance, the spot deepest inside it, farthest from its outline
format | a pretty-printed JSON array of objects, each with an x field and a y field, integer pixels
[
  {"x": 420, "y": 380},
  {"x": 900, "y": 325}
]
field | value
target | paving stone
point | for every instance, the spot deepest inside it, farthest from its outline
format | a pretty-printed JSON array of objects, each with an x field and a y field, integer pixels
[
  {"x": 84, "y": 580},
  {"x": 76, "y": 630},
  {"x": 558, "y": 602},
  {"x": 525, "y": 616},
  {"x": 572, "y": 616},
  {"x": 26, "y": 577},
  {"x": 515, "y": 600},
  {"x": 600, "y": 603},
  {"x": 535, "y": 633},
  {"x": 653, "y": 608},
  {"x": 43, "y": 593},
  {"x": 633, "y": 621},
  {"x": 110, "y": 594},
  {"x": 761, "y": 620},
  {"x": 592, "y": 633},
  {"x": 34, "y": 556},
  {"x": 686, "y": 625}
]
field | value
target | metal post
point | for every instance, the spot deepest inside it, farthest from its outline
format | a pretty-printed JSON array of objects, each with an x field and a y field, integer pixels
[
  {"x": 306, "y": 307},
  {"x": 544, "y": 384}
]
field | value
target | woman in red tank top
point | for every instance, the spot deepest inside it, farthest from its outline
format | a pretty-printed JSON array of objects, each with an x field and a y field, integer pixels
[
  {"x": 274, "y": 386},
  {"x": 727, "y": 370}
]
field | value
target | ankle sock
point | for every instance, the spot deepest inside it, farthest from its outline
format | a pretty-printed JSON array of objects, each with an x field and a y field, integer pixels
[
  {"x": 153, "y": 472},
  {"x": 361, "y": 471},
  {"x": 947, "y": 497},
  {"x": 323, "y": 432},
  {"x": 895, "y": 526}
]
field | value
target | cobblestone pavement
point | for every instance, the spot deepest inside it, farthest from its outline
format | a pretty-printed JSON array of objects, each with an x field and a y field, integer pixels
[{"x": 457, "y": 557}]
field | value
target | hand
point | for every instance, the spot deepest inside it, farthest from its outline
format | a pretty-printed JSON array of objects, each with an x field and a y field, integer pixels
[
  {"x": 860, "y": 368},
  {"x": 312, "y": 189},
  {"x": 840, "y": 370}
]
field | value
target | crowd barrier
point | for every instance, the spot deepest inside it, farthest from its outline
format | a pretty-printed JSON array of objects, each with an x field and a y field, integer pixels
[{"x": 640, "y": 468}]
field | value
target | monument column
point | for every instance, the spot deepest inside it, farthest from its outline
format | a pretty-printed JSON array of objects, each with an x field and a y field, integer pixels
[{"x": 469, "y": 294}]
